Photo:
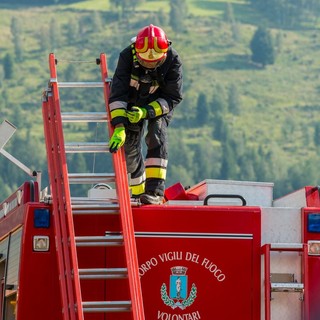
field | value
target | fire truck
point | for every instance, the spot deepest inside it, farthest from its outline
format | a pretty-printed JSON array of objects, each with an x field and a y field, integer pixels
[{"x": 220, "y": 249}]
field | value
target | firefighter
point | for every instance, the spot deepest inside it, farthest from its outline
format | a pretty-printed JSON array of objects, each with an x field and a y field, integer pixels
[{"x": 145, "y": 89}]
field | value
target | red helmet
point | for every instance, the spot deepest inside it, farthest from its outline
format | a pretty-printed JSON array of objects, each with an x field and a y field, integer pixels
[{"x": 151, "y": 46}]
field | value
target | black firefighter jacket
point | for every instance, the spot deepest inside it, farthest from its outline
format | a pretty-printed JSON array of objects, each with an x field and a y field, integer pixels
[{"x": 159, "y": 90}]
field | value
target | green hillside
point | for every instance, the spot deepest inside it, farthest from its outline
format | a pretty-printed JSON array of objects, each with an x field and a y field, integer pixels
[{"x": 272, "y": 138}]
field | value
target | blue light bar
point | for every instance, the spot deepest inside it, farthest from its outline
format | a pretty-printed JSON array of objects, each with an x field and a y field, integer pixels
[
  {"x": 314, "y": 222},
  {"x": 41, "y": 218}
]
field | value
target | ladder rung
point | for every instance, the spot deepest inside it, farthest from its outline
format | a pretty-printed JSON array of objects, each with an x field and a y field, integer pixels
[
  {"x": 97, "y": 210},
  {"x": 84, "y": 117},
  {"x": 80, "y": 84},
  {"x": 106, "y": 306},
  {"x": 86, "y": 147},
  {"x": 93, "y": 207},
  {"x": 90, "y": 201},
  {"x": 105, "y": 273},
  {"x": 98, "y": 241},
  {"x": 287, "y": 287},
  {"x": 91, "y": 177},
  {"x": 84, "y": 206}
]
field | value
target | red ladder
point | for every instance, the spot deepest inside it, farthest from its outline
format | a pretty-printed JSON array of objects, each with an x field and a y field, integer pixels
[{"x": 64, "y": 207}]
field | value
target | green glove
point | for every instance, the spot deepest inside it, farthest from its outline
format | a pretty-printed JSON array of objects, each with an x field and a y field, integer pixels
[
  {"x": 117, "y": 140},
  {"x": 136, "y": 114}
]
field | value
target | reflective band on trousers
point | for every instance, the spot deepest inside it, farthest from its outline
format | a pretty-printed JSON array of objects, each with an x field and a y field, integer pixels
[
  {"x": 158, "y": 173},
  {"x": 156, "y": 162},
  {"x": 137, "y": 180},
  {"x": 137, "y": 189}
]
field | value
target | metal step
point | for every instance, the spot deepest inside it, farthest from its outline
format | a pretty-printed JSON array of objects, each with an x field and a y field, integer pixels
[
  {"x": 91, "y": 178},
  {"x": 81, "y": 84},
  {"x": 286, "y": 246},
  {"x": 86, "y": 147},
  {"x": 84, "y": 117},
  {"x": 106, "y": 306},
  {"x": 99, "y": 241},
  {"x": 287, "y": 287},
  {"x": 105, "y": 273}
]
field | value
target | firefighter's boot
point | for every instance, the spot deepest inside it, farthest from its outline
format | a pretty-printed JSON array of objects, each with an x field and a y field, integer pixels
[{"x": 151, "y": 198}]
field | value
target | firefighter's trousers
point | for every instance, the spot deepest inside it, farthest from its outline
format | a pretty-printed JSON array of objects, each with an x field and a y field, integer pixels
[{"x": 149, "y": 175}]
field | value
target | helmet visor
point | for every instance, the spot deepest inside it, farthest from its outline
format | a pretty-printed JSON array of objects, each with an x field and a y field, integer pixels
[{"x": 151, "y": 59}]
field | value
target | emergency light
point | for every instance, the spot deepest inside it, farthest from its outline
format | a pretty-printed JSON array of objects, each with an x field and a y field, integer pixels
[
  {"x": 41, "y": 218},
  {"x": 314, "y": 222}
]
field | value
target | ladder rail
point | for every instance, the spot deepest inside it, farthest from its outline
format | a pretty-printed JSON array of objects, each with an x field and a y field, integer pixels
[
  {"x": 125, "y": 210},
  {"x": 58, "y": 208},
  {"x": 57, "y": 223},
  {"x": 69, "y": 241},
  {"x": 63, "y": 208}
]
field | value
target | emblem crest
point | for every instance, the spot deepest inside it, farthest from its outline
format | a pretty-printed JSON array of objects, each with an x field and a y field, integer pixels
[{"x": 178, "y": 291}]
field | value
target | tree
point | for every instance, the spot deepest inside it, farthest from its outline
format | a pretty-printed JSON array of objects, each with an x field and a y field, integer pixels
[
  {"x": 15, "y": 26},
  {"x": 71, "y": 73},
  {"x": 247, "y": 169},
  {"x": 206, "y": 160},
  {"x": 8, "y": 66},
  {"x": 317, "y": 134},
  {"x": 178, "y": 15},
  {"x": 97, "y": 23},
  {"x": 202, "y": 110},
  {"x": 5, "y": 190},
  {"x": 180, "y": 151},
  {"x": 54, "y": 34},
  {"x": 234, "y": 103},
  {"x": 229, "y": 14},
  {"x": 262, "y": 47},
  {"x": 44, "y": 39},
  {"x": 181, "y": 168},
  {"x": 219, "y": 101},
  {"x": 229, "y": 18},
  {"x": 162, "y": 17},
  {"x": 178, "y": 173},
  {"x": 229, "y": 166},
  {"x": 220, "y": 127},
  {"x": 72, "y": 30},
  {"x": 16, "y": 32}
]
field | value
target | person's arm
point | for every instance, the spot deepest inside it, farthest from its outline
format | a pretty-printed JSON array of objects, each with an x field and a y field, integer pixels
[{"x": 171, "y": 91}]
